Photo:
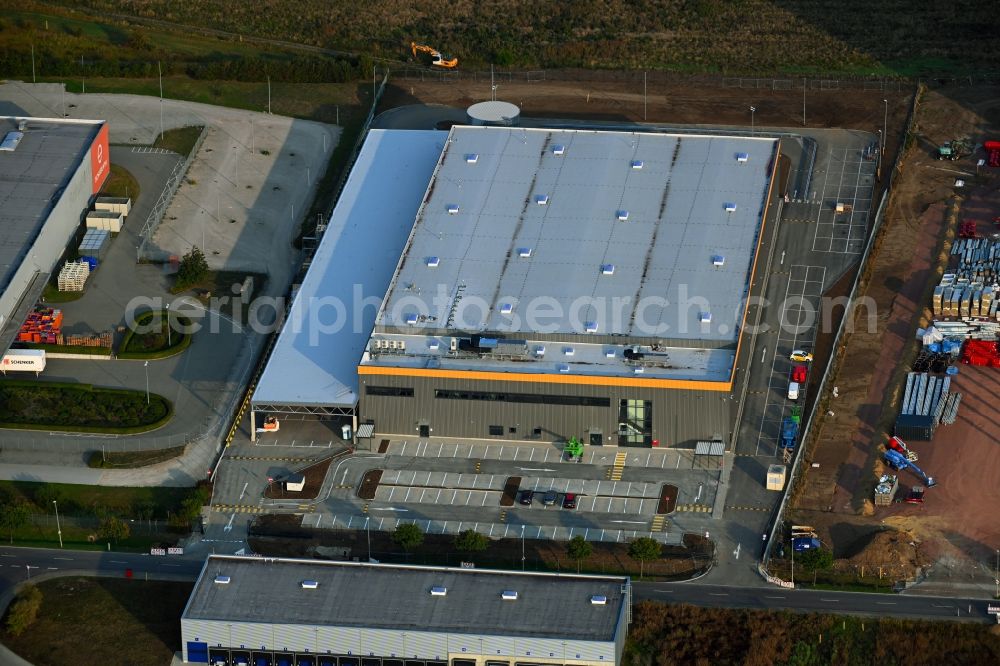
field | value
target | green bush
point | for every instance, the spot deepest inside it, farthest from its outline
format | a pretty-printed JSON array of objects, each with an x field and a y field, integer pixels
[
  {"x": 193, "y": 269},
  {"x": 25, "y": 403},
  {"x": 24, "y": 611}
]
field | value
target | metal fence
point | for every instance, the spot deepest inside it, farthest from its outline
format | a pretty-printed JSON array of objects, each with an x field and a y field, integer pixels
[
  {"x": 166, "y": 196},
  {"x": 653, "y": 77},
  {"x": 793, "y": 476}
]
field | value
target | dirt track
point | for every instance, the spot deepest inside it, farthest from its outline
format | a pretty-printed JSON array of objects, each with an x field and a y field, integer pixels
[{"x": 954, "y": 522}]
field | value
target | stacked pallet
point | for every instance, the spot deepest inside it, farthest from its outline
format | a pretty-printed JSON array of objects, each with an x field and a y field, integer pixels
[
  {"x": 981, "y": 353},
  {"x": 79, "y": 340},
  {"x": 73, "y": 276},
  {"x": 41, "y": 325}
]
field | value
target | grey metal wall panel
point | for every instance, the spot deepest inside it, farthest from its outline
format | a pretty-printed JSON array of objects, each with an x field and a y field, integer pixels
[
  {"x": 341, "y": 640},
  {"x": 295, "y": 637},
  {"x": 426, "y": 645},
  {"x": 213, "y": 632},
  {"x": 590, "y": 651},
  {"x": 382, "y": 642},
  {"x": 251, "y": 635},
  {"x": 498, "y": 646},
  {"x": 537, "y": 647},
  {"x": 460, "y": 644},
  {"x": 680, "y": 417}
]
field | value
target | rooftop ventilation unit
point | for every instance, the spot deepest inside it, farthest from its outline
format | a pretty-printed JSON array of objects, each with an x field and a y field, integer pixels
[
  {"x": 730, "y": 208},
  {"x": 438, "y": 591},
  {"x": 718, "y": 260},
  {"x": 705, "y": 317},
  {"x": 623, "y": 215},
  {"x": 607, "y": 269},
  {"x": 609, "y": 353},
  {"x": 506, "y": 308},
  {"x": 568, "y": 351},
  {"x": 452, "y": 209},
  {"x": 10, "y": 141},
  {"x": 599, "y": 600},
  {"x": 541, "y": 199},
  {"x": 636, "y": 164},
  {"x": 638, "y": 370},
  {"x": 540, "y": 350},
  {"x": 524, "y": 252},
  {"x": 432, "y": 262},
  {"x": 562, "y": 367},
  {"x": 310, "y": 584},
  {"x": 411, "y": 319},
  {"x": 742, "y": 157},
  {"x": 590, "y": 327},
  {"x": 558, "y": 149},
  {"x": 472, "y": 158},
  {"x": 222, "y": 580},
  {"x": 509, "y": 595},
  {"x": 433, "y": 344}
]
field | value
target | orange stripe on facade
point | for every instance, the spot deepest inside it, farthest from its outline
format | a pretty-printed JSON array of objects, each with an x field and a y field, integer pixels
[{"x": 589, "y": 380}]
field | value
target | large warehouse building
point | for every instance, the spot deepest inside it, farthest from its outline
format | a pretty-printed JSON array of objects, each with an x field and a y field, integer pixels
[
  {"x": 50, "y": 170},
  {"x": 554, "y": 284},
  {"x": 282, "y": 612}
]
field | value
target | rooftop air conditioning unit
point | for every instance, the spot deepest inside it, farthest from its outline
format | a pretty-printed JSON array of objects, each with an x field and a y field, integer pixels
[
  {"x": 452, "y": 209},
  {"x": 730, "y": 208},
  {"x": 636, "y": 164},
  {"x": 524, "y": 252},
  {"x": 433, "y": 262},
  {"x": 742, "y": 157},
  {"x": 438, "y": 591},
  {"x": 541, "y": 199},
  {"x": 607, "y": 269},
  {"x": 509, "y": 595},
  {"x": 558, "y": 149},
  {"x": 623, "y": 215},
  {"x": 599, "y": 600},
  {"x": 222, "y": 580},
  {"x": 472, "y": 158},
  {"x": 310, "y": 584}
]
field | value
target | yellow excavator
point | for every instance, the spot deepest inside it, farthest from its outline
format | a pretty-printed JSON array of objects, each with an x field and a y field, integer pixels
[{"x": 437, "y": 58}]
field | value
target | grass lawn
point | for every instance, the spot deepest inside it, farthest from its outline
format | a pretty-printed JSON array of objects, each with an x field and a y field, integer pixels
[
  {"x": 180, "y": 140},
  {"x": 78, "y": 499},
  {"x": 104, "y": 621},
  {"x": 120, "y": 183},
  {"x": 156, "y": 339},
  {"x": 132, "y": 459},
  {"x": 325, "y": 102},
  {"x": 51, "y": 294},
  {"x": 79, "y": 407}
]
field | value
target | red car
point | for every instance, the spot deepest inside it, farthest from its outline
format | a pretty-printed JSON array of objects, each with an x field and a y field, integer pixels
[
  {"x": 569, "y": 501},
  {"x": 799, "y": 374}
]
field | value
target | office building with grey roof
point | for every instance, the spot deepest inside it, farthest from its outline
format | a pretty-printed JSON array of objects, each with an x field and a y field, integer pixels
[
  {"x": 284, "y": 612},
  {"x": 573, "y": 283},
  {"x": 50, "y": 170}
]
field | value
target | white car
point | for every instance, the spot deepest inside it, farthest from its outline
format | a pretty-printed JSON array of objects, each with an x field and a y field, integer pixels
[
  {"x": 801, "y": 356},
  {"x": 793, "y": 391}
]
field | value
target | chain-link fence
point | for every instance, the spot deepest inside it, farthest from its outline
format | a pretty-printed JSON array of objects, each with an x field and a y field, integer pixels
[{"x": 166, "y": 196}]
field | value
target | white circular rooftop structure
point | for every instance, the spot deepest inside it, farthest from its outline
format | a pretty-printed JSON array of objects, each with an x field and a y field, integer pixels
[{"x": 494, "y": 113}]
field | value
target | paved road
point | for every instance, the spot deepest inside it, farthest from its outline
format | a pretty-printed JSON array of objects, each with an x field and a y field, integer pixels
[{"x": 14, "y": 562}]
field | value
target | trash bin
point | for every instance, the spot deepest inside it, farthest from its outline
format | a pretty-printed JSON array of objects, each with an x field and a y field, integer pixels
[{"x": 345, "y": 432}]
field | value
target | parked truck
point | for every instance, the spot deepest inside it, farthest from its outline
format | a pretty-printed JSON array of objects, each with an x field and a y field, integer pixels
[{"x": 23, "y": 360}]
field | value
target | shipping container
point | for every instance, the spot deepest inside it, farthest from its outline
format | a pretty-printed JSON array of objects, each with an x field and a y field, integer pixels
[
  {"x": 121, "y": 205},
  {"x": 913, "y": 427},
  {"x": 23, "y": 360},
  {"x": 104, "y": 219}
]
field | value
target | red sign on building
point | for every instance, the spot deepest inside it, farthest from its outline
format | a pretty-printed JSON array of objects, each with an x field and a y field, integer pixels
[{"x": 100, "y": 160}]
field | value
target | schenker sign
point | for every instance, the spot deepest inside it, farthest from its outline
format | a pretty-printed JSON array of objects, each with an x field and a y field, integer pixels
[
  {"x": 23, "y": 360},
  {"x": 100, "y": 160}
]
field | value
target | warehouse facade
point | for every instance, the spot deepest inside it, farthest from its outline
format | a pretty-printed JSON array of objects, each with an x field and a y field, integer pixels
[
  {"x": 569, "y": 283},
  {"x": 50, "y": 171},
  {"x": 283, "y": 612}
]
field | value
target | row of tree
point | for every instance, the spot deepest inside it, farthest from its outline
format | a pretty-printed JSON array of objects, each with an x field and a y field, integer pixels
[{"x": 643, "y": 549}]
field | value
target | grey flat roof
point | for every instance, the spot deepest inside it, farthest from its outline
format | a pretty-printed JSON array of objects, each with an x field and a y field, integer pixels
[
  {"x": 678, "y": 242},
  {"x": 548, "y": 357},
  {"x": 315, "y": 359},
  {"x": 398, "y": 598},
  {"x": 32, "y": 178}
]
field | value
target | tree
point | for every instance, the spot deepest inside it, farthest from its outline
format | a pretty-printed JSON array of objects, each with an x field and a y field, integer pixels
[
  {"x": 114, "y": 528},
  {"x": 408, "y": 536},
  {"x": 471, "y": 541},
  {"x": 579, "y": 549},
  {"x": 14, "y": 514},
  {"x": 192, "y": 270},
  {"x": 644, "y": 549},
  {"x": 24, "y": 611},
  {"x": 819, "y": 559}
]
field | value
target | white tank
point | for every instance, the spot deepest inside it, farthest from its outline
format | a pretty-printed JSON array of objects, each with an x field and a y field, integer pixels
[{"x": 494, "y": 113}]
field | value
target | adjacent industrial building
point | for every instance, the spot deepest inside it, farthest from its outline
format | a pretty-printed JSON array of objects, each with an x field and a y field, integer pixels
[
  {"x": 284, "y": 612},
  {"x": 50, "y": 171},
  {"x": 552, "y": 284}
]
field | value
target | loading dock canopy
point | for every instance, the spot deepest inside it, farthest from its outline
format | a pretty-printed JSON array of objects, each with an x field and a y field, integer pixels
[{"x": 314, "y": 362}]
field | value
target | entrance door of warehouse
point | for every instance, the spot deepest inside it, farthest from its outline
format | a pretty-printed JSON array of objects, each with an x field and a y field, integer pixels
[{"x": 424, "y": 431}]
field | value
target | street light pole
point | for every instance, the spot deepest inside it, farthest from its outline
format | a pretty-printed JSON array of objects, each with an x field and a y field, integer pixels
[
  {"x": 368, "y": 534},
  {"x": 58, "y": 527},
  {"x": 145, "y": 367},
  {"x": 168, "y": 326},
  {"x": 752, "y": 110},
  {"x": 885, "y": 125},
  {"x": 793, "y": 562},
  {"x": 522, "y": 547}
]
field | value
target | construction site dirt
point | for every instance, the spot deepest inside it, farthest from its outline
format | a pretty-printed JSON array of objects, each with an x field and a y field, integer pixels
[{"x": 953, "y": 528}]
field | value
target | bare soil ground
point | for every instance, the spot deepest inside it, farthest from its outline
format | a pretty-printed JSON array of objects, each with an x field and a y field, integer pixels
[
  {"x": 954, "y": 522},
  {"x": 666, "y": 103}
]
